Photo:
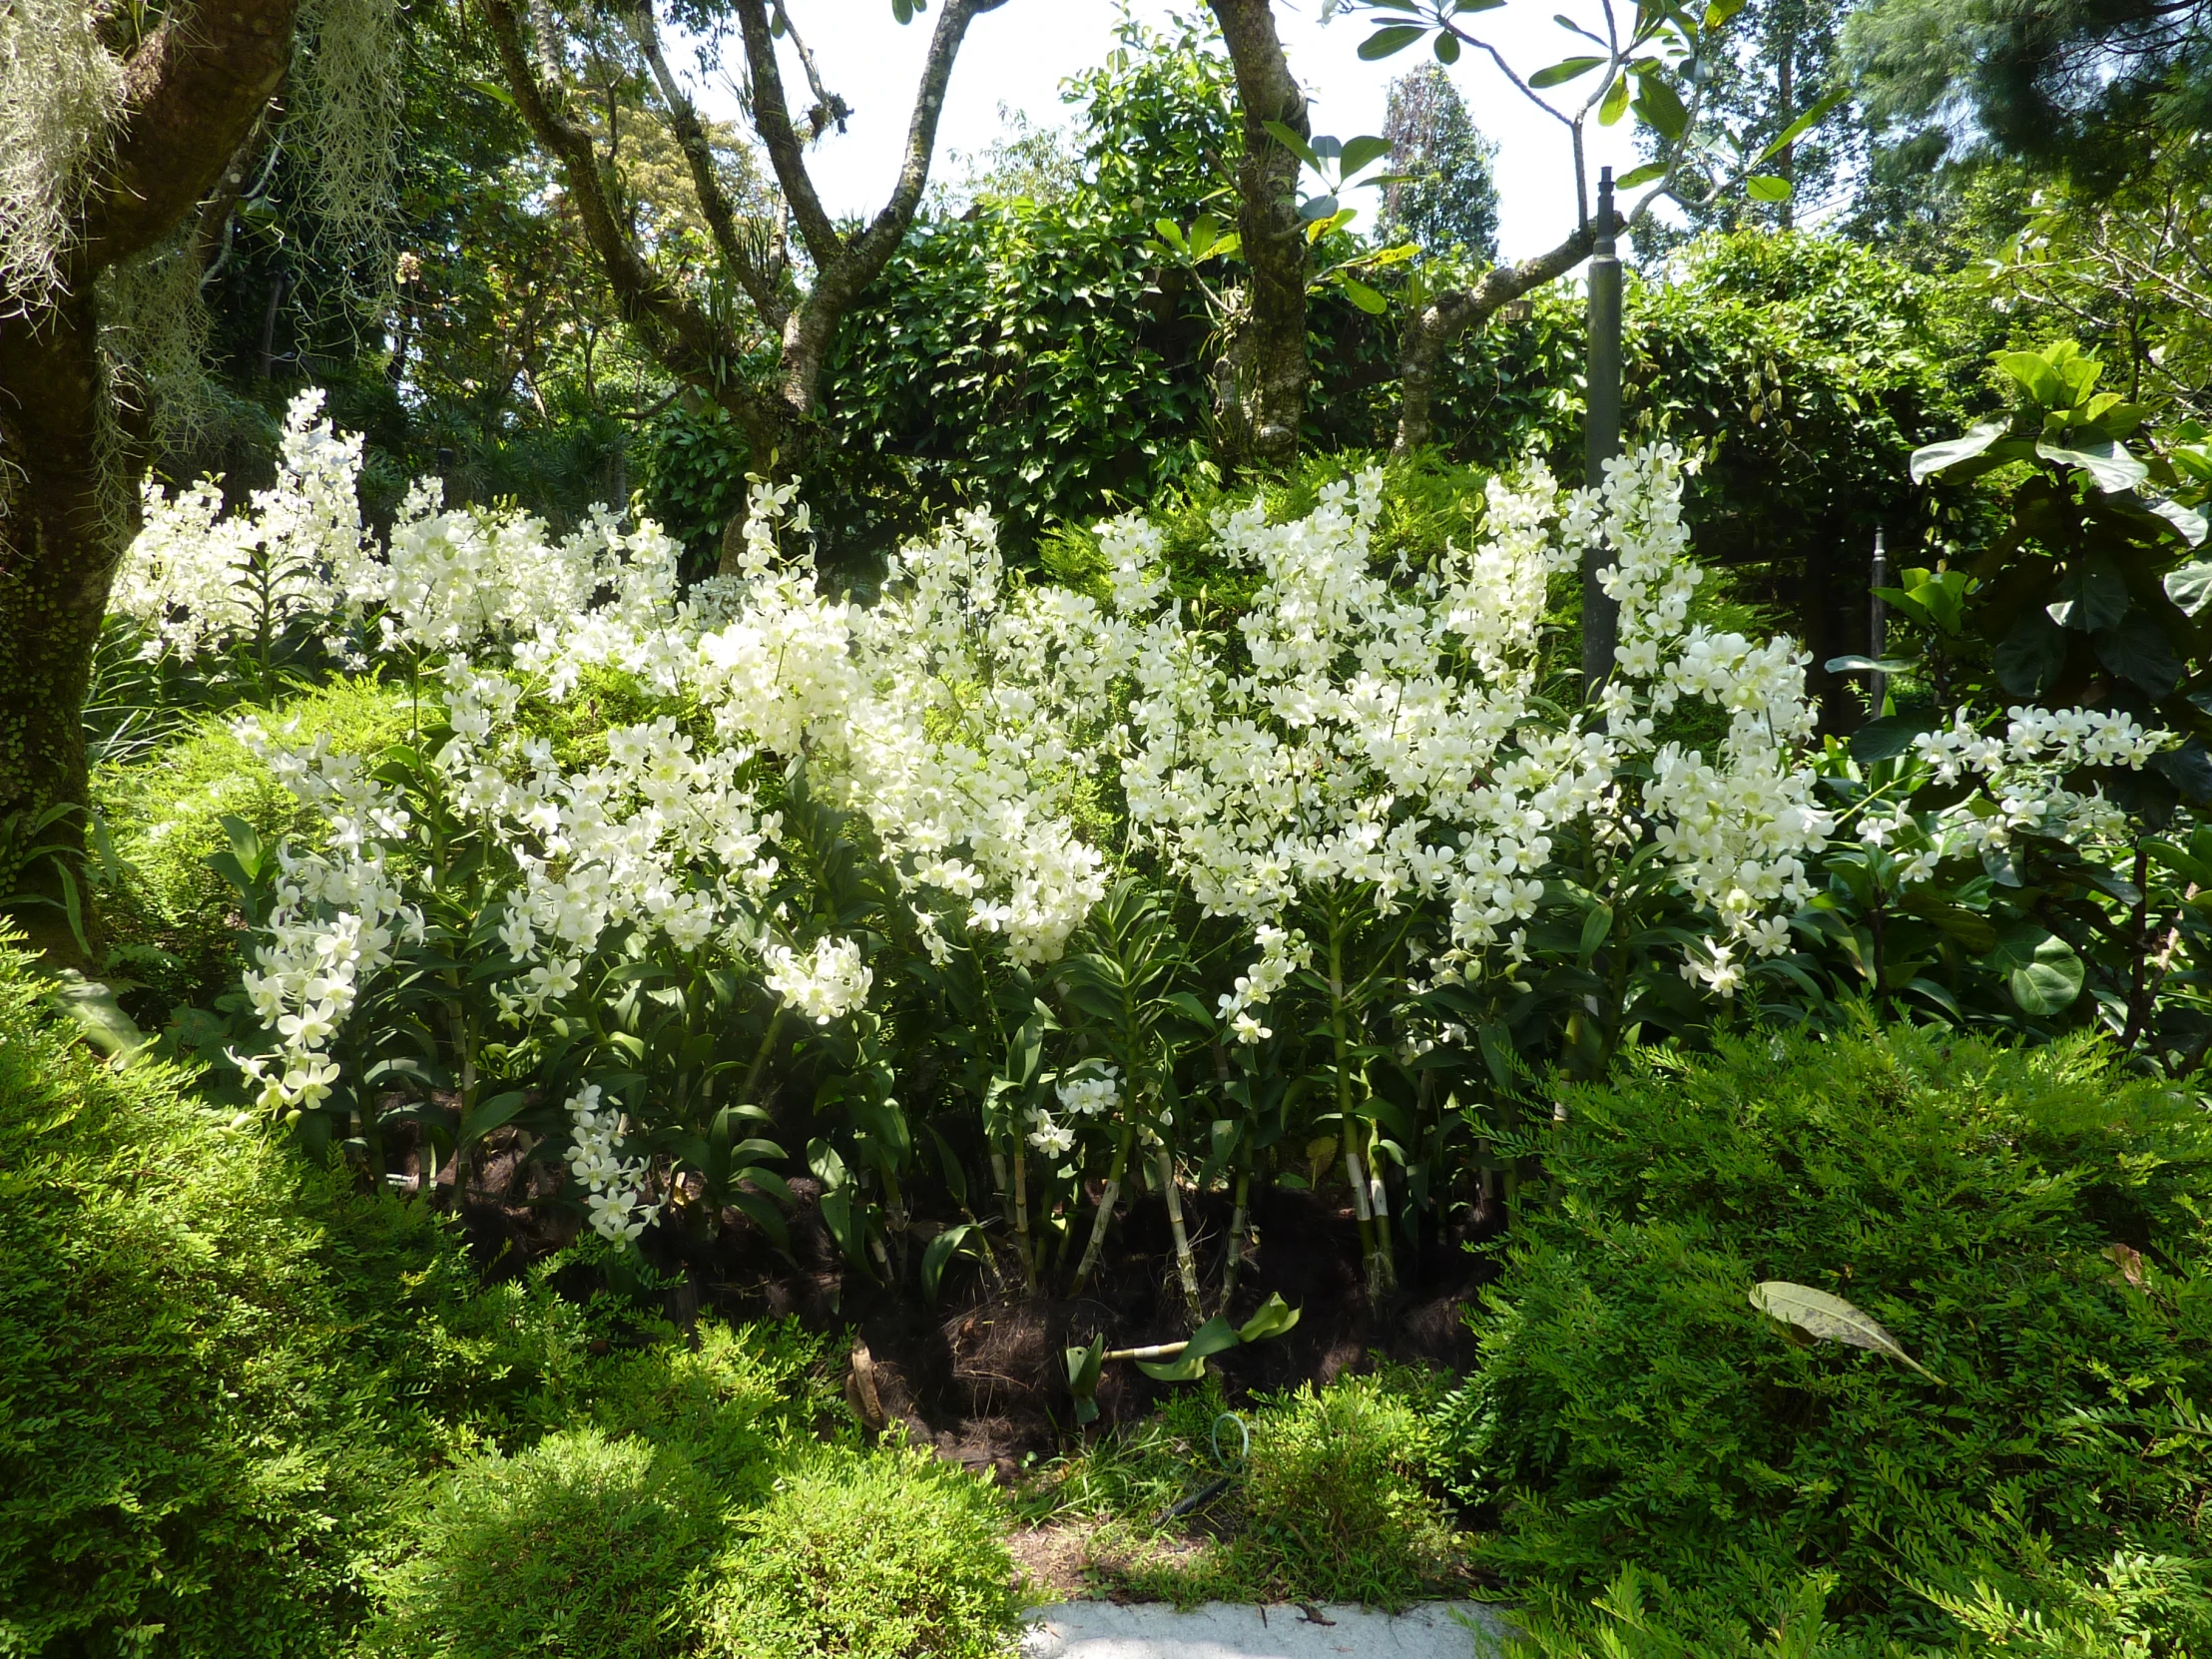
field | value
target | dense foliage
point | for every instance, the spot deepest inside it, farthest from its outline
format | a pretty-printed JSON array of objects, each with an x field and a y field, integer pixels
[{"x": 2029, "y": 1227}]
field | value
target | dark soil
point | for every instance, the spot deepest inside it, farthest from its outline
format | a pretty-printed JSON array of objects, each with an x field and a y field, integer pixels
[{"x": 983, "y": 1376}]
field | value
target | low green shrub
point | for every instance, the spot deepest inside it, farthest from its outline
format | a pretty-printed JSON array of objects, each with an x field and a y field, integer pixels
[
  {"x": 168, "y": 914},
  {"x": 1336, "y": 1500},
  {"x": 2031, "y": 1226},
  {"x": 202, "y": 1435},
  {"x": 868, "y": 1556},
  {"x": 582, "y": 1547},
  {"x": 1333, "y": 1504}
]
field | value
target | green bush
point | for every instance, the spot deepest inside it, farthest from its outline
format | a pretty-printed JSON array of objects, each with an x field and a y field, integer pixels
[
  {"x": 2033, "y": 1227},
  {"x": 582, "y": 1547},
  {"x": 1333, "y": 1504},
  {"x": 168, "y": 914},
  {"x": 201, "y": 1437},
  {"x": 868, "y": 1556}
]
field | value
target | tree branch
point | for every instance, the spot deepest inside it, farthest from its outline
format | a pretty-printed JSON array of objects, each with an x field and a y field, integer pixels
[
  {"x": 772, "y": 119},
  {"x": 192, "y": 92},
  {"x": 685, "y": 341},
  {"x": 1431, "y": 329},
  {"x": 759, "y": 283}
]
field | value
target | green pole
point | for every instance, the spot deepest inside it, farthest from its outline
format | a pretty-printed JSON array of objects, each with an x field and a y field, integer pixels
[{"x": 1601, "y": 433}]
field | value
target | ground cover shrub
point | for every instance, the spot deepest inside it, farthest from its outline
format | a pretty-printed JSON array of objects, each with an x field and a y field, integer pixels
[
  {"x": 201, "y": 1434},
  {"x": 868, "y": 1556},
  {"x": 2030, "y": 1225},
  {"x": 1335, "y": 1499},
  {"x": 582, "y": 1547},
  {"x": 173, "y": 923}
]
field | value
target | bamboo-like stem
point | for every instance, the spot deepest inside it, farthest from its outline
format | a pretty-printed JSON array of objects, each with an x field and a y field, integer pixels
[
  {"x": 1106, "y": 1202},
  {"x": 1378, "y": 1202},
  {"x": 1158, "y": 1350},
  {"x": 1353, "y": 1172},
  {"x": 1235, "y": 1263},
  {"x": 1185, "y": 1266},
  {"x": 1021, "y": 1219}
]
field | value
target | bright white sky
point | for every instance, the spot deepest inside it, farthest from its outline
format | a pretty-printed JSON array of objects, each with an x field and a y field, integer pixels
[{"x": 1018, "y": 55}]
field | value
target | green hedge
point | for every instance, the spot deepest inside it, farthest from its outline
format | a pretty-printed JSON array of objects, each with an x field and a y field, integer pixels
[
  {"x": 2033, "y": 1228},
  {"x": 200, "y": 1436}
]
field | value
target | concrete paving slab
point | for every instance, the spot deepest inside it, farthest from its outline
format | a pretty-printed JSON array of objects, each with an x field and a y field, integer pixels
[{"x": 1225, "y": 1630}]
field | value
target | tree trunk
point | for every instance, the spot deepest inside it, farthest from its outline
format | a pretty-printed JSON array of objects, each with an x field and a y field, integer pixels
[
  {"x": 194, "y": 88},
  {"x": 1260, "y": 394},
  {"x": 58, "y": 543}
]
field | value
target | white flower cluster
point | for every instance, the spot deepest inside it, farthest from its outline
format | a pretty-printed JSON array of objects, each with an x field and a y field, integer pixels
[
  {"x": 197, "y": 581},
  {"x": 338, "y": 919},
  {"x": 2022, "y": 789},
  {"x": 827, "y": 983},
  {"x": 613, "y": 1185},
  {"x": 1092, "y": 1093}
]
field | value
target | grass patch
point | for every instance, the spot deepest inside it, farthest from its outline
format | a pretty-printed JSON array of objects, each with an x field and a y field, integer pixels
[{"x": 1336, "y": 1500}]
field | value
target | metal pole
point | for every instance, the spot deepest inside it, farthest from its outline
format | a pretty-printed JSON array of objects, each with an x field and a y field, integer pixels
[
  {"x": 1878, "y": 622},
  {"x": 1602, "y": 435}
]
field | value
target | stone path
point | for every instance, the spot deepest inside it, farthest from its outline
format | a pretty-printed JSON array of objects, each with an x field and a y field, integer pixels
[{"x": 1224, "y": 1630}]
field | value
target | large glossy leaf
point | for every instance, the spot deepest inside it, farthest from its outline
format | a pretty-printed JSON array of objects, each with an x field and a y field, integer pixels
[
  {"x": 2138, "y": 650},
  {"x": 1363, "y": 151},
  {"x": 1763, "y": 186},
  {"x": 1272, "y": 1319},
  {"x": 1930, "y": 459},
  {"x": 2190, "y": 586},
  {"x": 2109, "y": 465},
  {"x": 2042, "y": 971},
  {"x": 1891, "y": 735},
  {"x": 1382, "y": 44},
  {"x": 2187, "y": 520},
  {"x": 2091, "y": 596},
  {"x": 2030, "y": 657},
  {"x": 1831, "y": 1318}
]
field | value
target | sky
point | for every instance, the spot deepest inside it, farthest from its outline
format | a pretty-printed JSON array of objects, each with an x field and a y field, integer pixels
[{"x": 1018, "y": 55}]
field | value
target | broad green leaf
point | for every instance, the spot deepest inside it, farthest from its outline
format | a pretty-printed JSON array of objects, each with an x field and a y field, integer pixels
[
  {"x": 1766, "y": 187},
  {"x": 1448, "y": 47},
  {"x": 2190, "y": 587},
  {"x": 1720, "y": 11},
  {"x": 2030, "y": 657},
  {"x": 1362, "y": 152},
  {"x": 2109, "y": 464},
  {"x": 1295, "y": 145},
  {"x": 492, "y": 1114},
  {"x": 1616, "y": 103},
  {"x": 1642, "y": 175},
  {"x": 1272, "y": 1319},
  {"x": 2091, "y": 596},
  {"x": 1170, "y": 232},
  {"x": 2138, "y": 650},
  {"x": 1891, "y": 735},
  {"x": 1660, "y": 108},
  {"x": 941, "y": 1250},
  {"x": 2042, "y": 971},
  {"x": 1801, "y": 126},
  {"x": 1216, "y": 1336},
  {"x": 1831, "y": 1318},
  {"x": 1559, "y": 74},
  {"x": 1367, "y": 298},
  {"x": 92, "y": 1005},
  {"x": 1382, "y": 44},
  {"x": 1083, "y": 1366},
  {"x": 1932, "y": 458},
  {"x": 2036, "y": 375},
  {"x": 2187, "y": 520},
  {"x": 1315, "y": 207}
]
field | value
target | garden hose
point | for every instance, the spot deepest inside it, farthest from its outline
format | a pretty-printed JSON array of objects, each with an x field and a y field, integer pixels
[{"x": 1230, "y": 1470}]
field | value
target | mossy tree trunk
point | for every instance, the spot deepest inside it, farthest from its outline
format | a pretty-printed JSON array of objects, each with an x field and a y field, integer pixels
[{"x": 194, "y": 88}]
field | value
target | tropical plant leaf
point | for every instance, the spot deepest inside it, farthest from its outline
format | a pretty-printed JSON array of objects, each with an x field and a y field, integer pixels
[
  {"x": 1831, "y": 1318},
  {"x": 1932, "y": 458},
  {"x": 2109, "y": 464},
  {"x": 1274, "y": 1318}
]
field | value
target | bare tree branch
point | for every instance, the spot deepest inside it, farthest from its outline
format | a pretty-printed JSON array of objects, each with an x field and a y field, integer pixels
[
  {"x": 683, "y": 337},
  {"x": 1432, "y": 329},
  {"x": 828, "y": 106},
  {"x": 759, "y": 283}
]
